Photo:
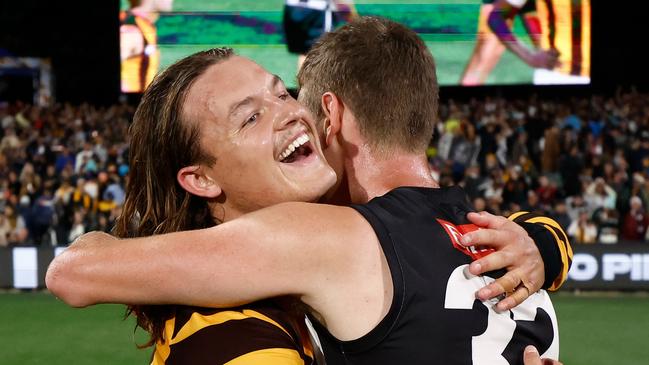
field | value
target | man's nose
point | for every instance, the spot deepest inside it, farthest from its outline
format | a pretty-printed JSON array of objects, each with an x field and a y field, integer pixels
[{"x": 290, "y": 112}]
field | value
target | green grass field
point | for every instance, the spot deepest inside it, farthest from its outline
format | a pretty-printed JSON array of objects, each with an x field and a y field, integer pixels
[{"x": 35, "y": 328}]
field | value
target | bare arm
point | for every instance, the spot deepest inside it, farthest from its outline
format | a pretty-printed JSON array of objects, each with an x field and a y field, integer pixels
[{"x": 240, "y": 261}]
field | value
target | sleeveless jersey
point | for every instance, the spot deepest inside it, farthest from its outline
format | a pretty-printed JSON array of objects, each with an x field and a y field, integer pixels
[{"x": 434, "y": 317}]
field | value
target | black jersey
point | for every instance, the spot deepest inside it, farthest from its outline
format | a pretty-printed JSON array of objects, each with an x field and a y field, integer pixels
[{"x": 434, "y": 317}]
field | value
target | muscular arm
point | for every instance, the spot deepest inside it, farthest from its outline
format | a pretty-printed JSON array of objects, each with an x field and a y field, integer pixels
[{"x": 236, "y": 262}]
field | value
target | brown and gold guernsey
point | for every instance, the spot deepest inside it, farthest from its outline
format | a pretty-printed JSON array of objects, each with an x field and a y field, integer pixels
[
  {"x": 137, "y": 71},
  {"x": 257, "y": 333},
  {"x": 565, "y": 26}
]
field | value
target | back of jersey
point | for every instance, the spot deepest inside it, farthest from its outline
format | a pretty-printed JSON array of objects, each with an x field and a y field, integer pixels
[{"x": 434, "y": 317}]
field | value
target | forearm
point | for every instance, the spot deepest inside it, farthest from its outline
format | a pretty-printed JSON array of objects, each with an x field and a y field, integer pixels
[
  {"x": 150, "y": 270},
  {"x": 100, "y": 271},
  {"x": 230, "y": 264}
]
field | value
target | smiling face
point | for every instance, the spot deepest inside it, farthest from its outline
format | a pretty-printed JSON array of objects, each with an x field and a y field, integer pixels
[{"x": 263, "y": 141}]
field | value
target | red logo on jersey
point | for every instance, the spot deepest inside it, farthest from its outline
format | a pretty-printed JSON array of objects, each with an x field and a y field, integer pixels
[{"x": 456, "y": 232}]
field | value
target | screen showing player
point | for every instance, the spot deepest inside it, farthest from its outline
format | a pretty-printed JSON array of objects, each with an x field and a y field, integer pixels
[{"x": 475, "y": 42}]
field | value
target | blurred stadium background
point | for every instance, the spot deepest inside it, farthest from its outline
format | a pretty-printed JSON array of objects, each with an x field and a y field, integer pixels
[{"x": 73, "y": 50}]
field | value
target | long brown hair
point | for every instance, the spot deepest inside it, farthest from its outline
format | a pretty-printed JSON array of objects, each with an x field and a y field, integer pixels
[{"x": 162, "y": 142}]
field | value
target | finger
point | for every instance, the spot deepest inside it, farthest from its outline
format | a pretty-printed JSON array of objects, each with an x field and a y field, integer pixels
[
  {"x": 517, "y": 297},
  {"x": 533, "y": 285},
  {"x": 494, "y": 261},
  {"x": 503, "y": 285},
  {"x": 486, "y": 237},
  {"x": 531, "y": 356},
  {"x": 486, "y": 220},
  {"x": 477, "y": 219}
]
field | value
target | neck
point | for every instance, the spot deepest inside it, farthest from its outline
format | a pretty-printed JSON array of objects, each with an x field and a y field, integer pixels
[{"x": 369, "y": 175}]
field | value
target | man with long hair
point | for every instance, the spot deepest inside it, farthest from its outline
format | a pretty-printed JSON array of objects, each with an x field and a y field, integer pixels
[
  {"x": 374, "y": 275},
  {"x": 185, "y": 135}
]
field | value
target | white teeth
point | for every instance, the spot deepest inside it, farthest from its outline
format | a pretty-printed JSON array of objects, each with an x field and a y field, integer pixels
[{"x": 299, "y": 141}]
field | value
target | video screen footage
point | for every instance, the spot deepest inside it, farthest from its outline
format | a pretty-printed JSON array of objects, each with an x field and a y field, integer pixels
[{"x": 474, "y": 42}]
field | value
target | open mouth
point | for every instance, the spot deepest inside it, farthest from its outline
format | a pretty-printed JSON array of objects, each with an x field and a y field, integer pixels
[{"x": 299, "y": 150}]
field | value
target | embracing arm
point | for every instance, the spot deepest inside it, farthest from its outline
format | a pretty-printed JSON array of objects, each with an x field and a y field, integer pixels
[{"x": 240, "y": 261}]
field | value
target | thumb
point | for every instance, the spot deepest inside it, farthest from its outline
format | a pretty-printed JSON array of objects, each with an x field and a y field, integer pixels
[{"x": 531, "y": 356}]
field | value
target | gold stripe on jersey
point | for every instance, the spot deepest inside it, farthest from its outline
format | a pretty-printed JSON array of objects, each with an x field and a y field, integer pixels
[
  {"x": 552, "y": 223},
  {"x": 269, "y": 357},
  {"x": 199, "y": 321},
  {"x": 279, "y": 349},
  {"x": 564, "y": 258},
  {"x": 516, "y": 215}
]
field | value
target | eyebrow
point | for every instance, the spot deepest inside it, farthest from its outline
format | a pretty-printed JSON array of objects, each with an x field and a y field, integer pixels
[
  {"x": 245, "y": 102},
  {"x": 249, "y": 99}
]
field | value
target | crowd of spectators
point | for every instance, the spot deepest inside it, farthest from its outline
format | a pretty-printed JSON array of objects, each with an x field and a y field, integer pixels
[
  {"x": 62, "y": 171},
  {"x": 582, "y": 161}
]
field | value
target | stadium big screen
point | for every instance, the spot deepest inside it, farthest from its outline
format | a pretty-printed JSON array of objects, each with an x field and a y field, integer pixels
[{"x": 465, "y": 36}]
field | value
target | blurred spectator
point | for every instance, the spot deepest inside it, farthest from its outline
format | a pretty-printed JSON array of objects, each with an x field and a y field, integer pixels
[
  {"x": 12, "y": 227},
  {"x": 560, "y": 214},
  {"x": 82, "y": 158},
  {"x": 479, "y": 204},
  {"x": 10, "y": 140},
  {"x": 532, "y": 204},
  {"x": 635, "y": 222},
  {"x": 64, "y": 159},
  {"x": 547, "y": 192},
  {"x": 582, "y": 230},
  {"x": 600, "y": 195},
  {"x": 607, "y": 222},
  {"x": 42, "y": 218},
  {"x": 515, "y": 190},
  {"x": 474, "y": 182},
  {"x": 570, "y": 165},
  {"x": 551, "y": 150},
  {"x": 79, "y": 224}
]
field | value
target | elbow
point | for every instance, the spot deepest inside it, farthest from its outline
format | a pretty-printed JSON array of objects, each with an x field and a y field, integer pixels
[{"x": 64, "y": 281}]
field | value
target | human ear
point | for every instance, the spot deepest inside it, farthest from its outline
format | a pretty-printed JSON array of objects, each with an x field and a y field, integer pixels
[
  {"x": 194, "y": 181},
  {"x": 333, "y": 109}
]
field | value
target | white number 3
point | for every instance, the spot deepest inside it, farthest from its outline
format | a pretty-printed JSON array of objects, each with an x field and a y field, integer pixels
[{"x": 532, "y": 322}]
